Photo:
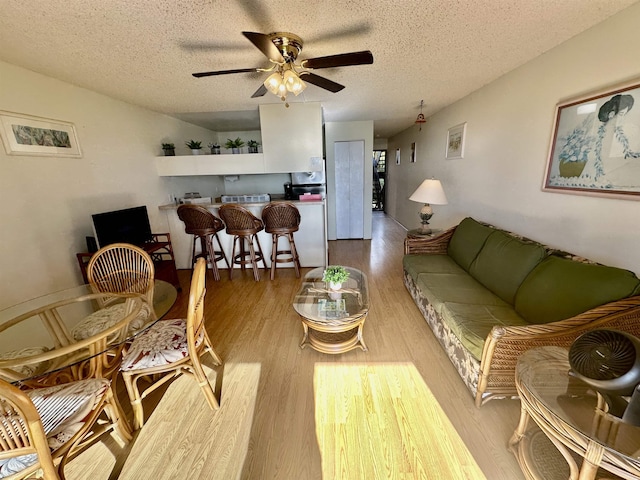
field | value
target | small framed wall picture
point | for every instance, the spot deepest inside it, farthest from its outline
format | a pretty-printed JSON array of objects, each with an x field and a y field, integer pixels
[
  {"x": 397, "y": 156},
  {"x": 413, "y": 152},
  {"x": 37, "y": 136},
  {"x": 455, "y": 141}
]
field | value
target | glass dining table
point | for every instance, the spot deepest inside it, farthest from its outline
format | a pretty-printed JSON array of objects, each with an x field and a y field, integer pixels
[{"x": 37, "y": 342}]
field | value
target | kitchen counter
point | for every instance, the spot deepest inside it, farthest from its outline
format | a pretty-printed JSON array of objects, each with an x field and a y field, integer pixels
[
  {"x": 217, "y": 203},
  {"x": 312, "y": 247}
]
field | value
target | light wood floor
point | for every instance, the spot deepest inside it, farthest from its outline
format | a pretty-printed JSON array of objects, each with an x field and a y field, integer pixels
[{"x": 266, "y": 428}]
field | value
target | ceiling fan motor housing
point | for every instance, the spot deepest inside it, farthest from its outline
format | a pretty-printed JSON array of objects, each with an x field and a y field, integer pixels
[{"x": 289, "y": 44}]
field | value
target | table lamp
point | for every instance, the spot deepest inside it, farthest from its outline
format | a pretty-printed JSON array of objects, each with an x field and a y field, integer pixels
[{"x": 429, "y": 192}]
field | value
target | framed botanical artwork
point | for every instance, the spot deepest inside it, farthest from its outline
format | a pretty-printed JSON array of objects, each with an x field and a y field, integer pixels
[
  {"x": 28, "y": 135},
  {"x": 397, "y": 156},
  {"x": 455, "y": 141},
  {"x": 413, "y": 152},
  {"x": 595, "y": 145}
]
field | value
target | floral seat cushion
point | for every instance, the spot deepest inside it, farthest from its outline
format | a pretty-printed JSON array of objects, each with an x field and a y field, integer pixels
[
  {"x": 162, "y": 344},
  {"x": 26, "y": 370},
  {"x": 106, "y": 318},
  {"x": 63, "y": 410}
]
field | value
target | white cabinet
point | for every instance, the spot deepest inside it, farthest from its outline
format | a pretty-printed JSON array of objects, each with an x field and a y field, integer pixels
[
  {"x": 210, "y": 164},
  {"x": 291, "y": 137}
]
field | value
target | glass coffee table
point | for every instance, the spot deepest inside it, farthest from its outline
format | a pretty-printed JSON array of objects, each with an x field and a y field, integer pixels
[
  {"x": 333, "y": 320},
  {"x": 575, "y": 437}
]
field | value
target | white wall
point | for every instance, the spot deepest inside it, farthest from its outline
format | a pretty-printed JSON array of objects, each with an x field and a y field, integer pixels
[
  {"x": 341, "y": 132},
  {"x": 509, "y": 125},
  {"x": 48, "y": 201}
]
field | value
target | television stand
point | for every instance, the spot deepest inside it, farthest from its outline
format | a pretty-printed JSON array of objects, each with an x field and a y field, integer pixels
[{"x": 161, "y": 253}]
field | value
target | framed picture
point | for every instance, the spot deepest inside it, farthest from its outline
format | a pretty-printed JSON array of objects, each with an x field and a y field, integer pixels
[
  {"x": 413, "y": 152},
  {"x": 595, "y": 146},
  {"x": 455, "y": 141},
  {"x": 397, "y": 156},
  {"x": 37, "y": 136}
]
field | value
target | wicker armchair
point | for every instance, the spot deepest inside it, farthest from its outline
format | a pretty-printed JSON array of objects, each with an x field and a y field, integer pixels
[
  {"x": 40, "y": 428},
  {"x": 118, "y": 268},
  {"x": 170, "y": 348}
]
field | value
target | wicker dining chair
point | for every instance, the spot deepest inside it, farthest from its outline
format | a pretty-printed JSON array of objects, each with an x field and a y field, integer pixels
[
  {"x": 171, "y": 347},
  {"x": 204, "y": 225},
  {"x": 118, "y": 268},
  {"x": 40, "y": 428},
  {"x": 282, "y": 219},
  {"x": 244, "y": 226}
]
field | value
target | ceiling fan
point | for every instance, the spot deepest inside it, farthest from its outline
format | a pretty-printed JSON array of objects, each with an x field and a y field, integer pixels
[{"x": 282, "y": 50}]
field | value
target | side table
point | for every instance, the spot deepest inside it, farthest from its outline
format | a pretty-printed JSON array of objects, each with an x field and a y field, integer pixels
[
  {"x": 418, "y": 233},
  {"x": 584, "y": 437}
]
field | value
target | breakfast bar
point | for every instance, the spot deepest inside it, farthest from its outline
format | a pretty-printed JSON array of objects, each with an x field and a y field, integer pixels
[{"x": 311, "y": 238}]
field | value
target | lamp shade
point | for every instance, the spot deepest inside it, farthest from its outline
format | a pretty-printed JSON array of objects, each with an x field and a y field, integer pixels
[{"x": 430, "y": 191}]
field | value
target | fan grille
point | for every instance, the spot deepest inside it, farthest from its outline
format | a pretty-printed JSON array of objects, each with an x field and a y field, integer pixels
[{"x": 602, "y": 355}]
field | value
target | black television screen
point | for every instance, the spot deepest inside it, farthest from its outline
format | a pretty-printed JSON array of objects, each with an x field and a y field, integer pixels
[{"x": 130, "y": 225}]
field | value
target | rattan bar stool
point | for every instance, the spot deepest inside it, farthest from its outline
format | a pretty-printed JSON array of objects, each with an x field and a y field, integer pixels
[
  {"x": 244, "y": 226},
  {"x": 204, "y": 225},
  {"x": 281, "y": 219}
]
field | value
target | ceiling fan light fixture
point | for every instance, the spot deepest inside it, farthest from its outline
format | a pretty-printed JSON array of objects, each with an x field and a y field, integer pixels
[
  {"x": 293, "y": 82},
  {"x": 273, "y": 83}
]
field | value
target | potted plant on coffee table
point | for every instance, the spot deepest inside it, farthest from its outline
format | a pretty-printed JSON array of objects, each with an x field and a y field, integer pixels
[
  {"x": 335, "y": 276},
  {"x": 169, "y": 149},
  {"x": 253, "y": 146},
  {"x": 194, "y": 146},
  {"x": 234, "y": 145}
]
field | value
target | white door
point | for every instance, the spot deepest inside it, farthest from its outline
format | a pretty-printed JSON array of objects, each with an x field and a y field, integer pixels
[{"x": 349, "y": 169}]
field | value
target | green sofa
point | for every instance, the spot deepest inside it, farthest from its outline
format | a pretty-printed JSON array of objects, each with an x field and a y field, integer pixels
[{"x": 489, "y": 295}]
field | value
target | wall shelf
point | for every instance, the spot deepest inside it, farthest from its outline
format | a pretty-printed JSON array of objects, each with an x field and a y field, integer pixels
[{"x": 224, "y": 164}]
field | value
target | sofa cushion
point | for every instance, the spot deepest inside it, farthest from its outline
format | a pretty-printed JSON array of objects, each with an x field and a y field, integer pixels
[
  {"x": 472, "y": 323},
  {"x": 560, "y": 288},
  {"x": 414, "y": 265},
  {"x": 504, "y": 262},
  {"x": 467, "y": 240},
  {"x": 439, "y": 288}
]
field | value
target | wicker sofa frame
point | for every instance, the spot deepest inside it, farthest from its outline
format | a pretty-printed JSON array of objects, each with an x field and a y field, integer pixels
[{"x": 494, "y": 375}]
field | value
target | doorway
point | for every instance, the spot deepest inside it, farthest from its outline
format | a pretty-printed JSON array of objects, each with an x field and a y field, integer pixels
[{"x": 379, "y": 179}]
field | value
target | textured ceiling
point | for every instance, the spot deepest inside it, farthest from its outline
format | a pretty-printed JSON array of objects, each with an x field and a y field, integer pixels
[{"x": 144, "y": 51}]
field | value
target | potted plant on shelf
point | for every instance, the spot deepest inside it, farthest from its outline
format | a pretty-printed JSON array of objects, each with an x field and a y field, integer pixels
[
  {"x": 253, "y": 146},
  {"x": 215, "y": 148},
  {"x": 194, "y": 146},
  {"x": 169, "y": 149},
  {"x": 335, "y": 275},
  {"x": 234, "y": 145}
]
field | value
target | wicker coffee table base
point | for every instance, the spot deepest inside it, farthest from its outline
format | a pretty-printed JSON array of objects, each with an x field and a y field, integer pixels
[{"x": 333, "y": 339}]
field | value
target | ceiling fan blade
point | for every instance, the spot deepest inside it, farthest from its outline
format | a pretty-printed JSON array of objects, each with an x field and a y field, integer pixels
[
  {"x": 342, "y": 60},
  {"x": 265, "y": 45},
  {"x": 259, "y": 92},
  {"x": 341, "y": 33},
  {"x": 321, "y": 82},
  {"x": 224, "y": 72}
]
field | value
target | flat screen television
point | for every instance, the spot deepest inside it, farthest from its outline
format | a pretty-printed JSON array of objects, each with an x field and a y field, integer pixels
[{"x": 130, "y": 225}]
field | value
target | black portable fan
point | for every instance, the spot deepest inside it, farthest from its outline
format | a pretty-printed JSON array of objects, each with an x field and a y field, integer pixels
[{"x": 609, "y": 361}]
